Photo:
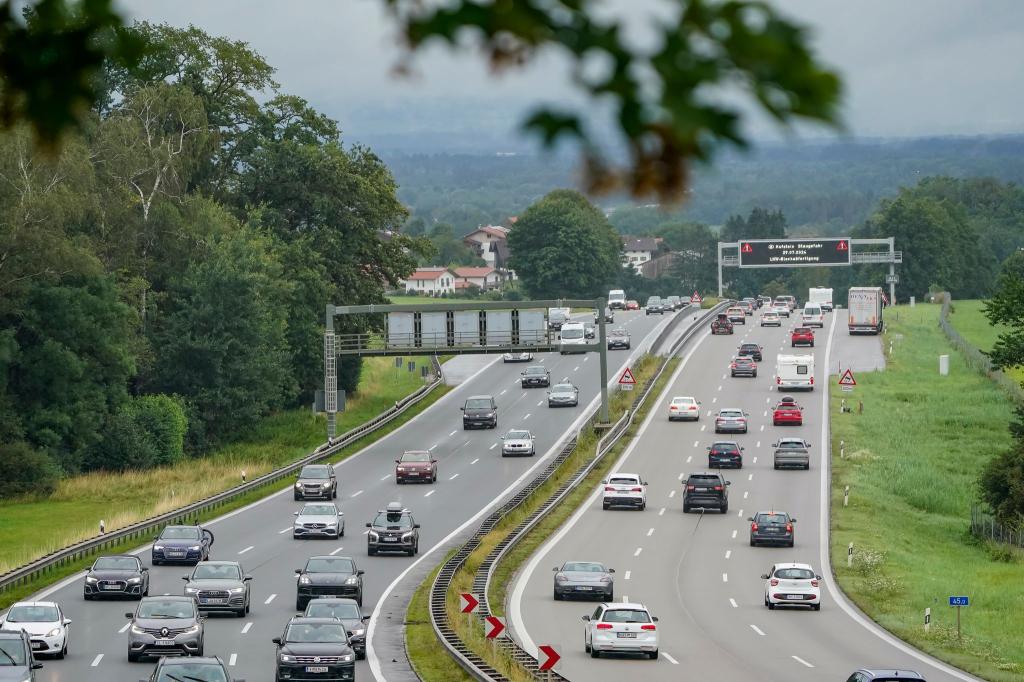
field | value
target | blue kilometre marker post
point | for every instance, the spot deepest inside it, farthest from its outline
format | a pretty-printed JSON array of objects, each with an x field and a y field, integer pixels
[{"x": 959, "y": 602}]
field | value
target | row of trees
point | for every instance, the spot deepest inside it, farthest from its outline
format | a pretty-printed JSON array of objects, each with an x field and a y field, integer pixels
[{"x": 163, "y": 277}]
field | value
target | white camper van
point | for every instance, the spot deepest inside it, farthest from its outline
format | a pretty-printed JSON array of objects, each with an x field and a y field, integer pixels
[
  {"x": 813, "y": 316},
  {"x": 821, "y": 296},
  {"x": 794, "y": 372}
]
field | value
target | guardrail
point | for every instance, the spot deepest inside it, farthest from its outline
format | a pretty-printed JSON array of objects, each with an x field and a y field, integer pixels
[
  {"x": 975, "y": 358},
  {"x": 53, "y": 561},
  {"x": 471, "y": 662}
]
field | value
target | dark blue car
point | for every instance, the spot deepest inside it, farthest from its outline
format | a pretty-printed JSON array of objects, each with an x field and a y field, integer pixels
[{"x": 182, "y": 544}]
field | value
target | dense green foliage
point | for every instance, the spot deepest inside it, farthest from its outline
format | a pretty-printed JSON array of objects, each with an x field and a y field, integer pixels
[{"x": 163, "y": 277}]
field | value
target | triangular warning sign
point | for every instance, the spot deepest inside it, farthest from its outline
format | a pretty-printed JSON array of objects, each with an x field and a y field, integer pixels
[
  {"x": 847, "y": 379},
  {"x": 842, "y": 245},
  {"x": 747, "y": 248},
  {"x": 627, "y": 377},
  {"x": 696, "y": 298}
]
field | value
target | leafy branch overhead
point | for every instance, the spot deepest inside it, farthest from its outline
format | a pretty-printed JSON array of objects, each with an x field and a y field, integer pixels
[{"x": 664, "y": 111}]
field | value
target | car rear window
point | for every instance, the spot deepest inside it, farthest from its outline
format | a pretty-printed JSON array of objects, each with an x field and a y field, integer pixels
[
  {"x": 622, "y": 480},
  {"x": 416, "y": 456},
  {"x": 625, "y": 616},
  {"x": 794, "y": 573},
  {"x": 704, "y": 480},
  {"x": 723, "y": 447},
  {"x": 771, "y": 518}
]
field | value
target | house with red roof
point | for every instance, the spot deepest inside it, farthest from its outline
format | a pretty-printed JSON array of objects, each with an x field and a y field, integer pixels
[
  {"x": 430, "y": 281},
  {"x": 485, "y": 277}
]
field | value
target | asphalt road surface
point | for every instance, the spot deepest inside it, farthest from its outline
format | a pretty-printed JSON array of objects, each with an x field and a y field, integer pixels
[
  {"x": 472, "y": 476},
  {"x": 696, "y": 572}
]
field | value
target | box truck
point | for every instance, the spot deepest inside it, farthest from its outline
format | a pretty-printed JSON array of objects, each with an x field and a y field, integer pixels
[
  {"x": 821, "y": 297},
  {"x": 864, "y": 305}
]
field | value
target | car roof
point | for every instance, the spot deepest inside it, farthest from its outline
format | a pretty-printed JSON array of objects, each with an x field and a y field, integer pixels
[
  {"x": 218, "y": 563},
  {"x": 890, "y": 672},
  {"x": 329, "y": 556},
  {"x": 409, "y": 452},
  {"x": 790, "y": 565},
  {"x": 169, "y": 597},
  {"x": 583, "y": 561},
  {"x": 622, "y": 474},
  {"x": 725, "y": 442},
  {"x": 118, "y": 556},
  {"x": 775, "y": 511},
  {"x": 34, "y": 603},
  {"x": 716, "y": 474},
  {"x": 684, "y": 397},
  {"x": 730, "y": 409},
  {"x": 624, "y": 605},
  {"x": 188, "y": 660},
  {"x": 340, "y": 600},
  {"x": 486, "y": 397}
]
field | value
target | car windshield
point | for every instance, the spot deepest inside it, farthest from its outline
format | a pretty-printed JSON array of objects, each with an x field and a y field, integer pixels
[
  {"x": 192, "y": 672},
  {"x": 794, "y": 573},
  {"x": 319, "y": 510},
  {"x": 180, "y": 533},
  {"x": 416, "y": 456},
  {"x": 333, "y": 610},
  {"x": 478, "y": 404},
  {"x": 393, "y": 520},
  {"x": 625, "y": 616},
  {"x": 116, "y": 563},
  {"x": 32, "y": 614},
  {"x": 583, "y": 567},
  {"x": 574, "y": 333},
  {"x": 216, "y": 572},
  {"x": 564, "y": 388},
  {"x": 329, "y": 565},
  {"x": 518, "y": 435},
  {"x": 536, "y": 371},
  {"x": 623, "y": 480},
  {"x": 315, "y": 472},
  {"x": 316, "y": 632},
  {"x": 12, "y": 652},
  {"x": 166, "y": 608}
]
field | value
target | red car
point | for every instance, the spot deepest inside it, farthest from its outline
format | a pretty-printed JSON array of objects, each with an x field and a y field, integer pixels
[
  {"x": 416, "y": 465},
  {"x": 632, "y": 305},
  {"x": 788, "y": 412},
  {"x": 802, "y": 336}
]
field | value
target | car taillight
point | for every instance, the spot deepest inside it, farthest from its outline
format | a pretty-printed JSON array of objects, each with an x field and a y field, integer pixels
[
  {"x": 814, "y": 583},
  {"x": 812, "y": 381},
  {"x": 753, "y": 527},
  {"x": 789, "y": 527},
  {"x": 733, "y": 365},
  {"x": 648, "y": 627},
  {"x": 690, "y": 488},
  {"x": 609, "y": 489},
  {"x": 778, "y": 380},
  {"x": 604, "y": 626},
  {"x": 773, "y": 582},
  {"x": 718, "y": 487},
  {"x": 636, "y": 490},
  {"x": 673, "y": 408}
]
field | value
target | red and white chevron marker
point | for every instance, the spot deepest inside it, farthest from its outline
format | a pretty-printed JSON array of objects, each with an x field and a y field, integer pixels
[
  {"x": 469, "y": 602},
  {"x": 550, "y": 657},
  {"x": 494, "y": 627}
]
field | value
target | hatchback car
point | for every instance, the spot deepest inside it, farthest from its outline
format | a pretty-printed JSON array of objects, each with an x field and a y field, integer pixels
[
  {"x": 684, "y": 407},
  {"x": 584, "y": 579},
  {"x": 746, "y": 307},
  {"x": 743, "y": 367},
  {"x": 781, "y": 309},
  {"x": 316, "y": 482},
  {"x": 416, "y": 466},
  {"x": 330, "y": 576},
  {"x": 348, "y": 612},
  {"x": 788, "y": 412},
  {"x": 750, "y": 350},
  {"x": 564, "y": 394},
  {"x": 535, "y": 376},
  {"x": 319, "y": 520},
  {"x": 393, "y": 530},
  {"x": 771, "y": 319},
  {"x": 624, "y": 490},
  {"x": 887, "y": 675},
  {"x": 47, "y": 626},
  {"x": 792, "y": 453},
  {"x": 314, "y": 649},
  {"x": 706, "y": 490},
  {"x": 480, "y": 411},
  {"x": 731, "y": 420},
  {"x": 632, "y": 305},
  {"x": 725, "y": 453},
  {"x": 518, "y": 442},
  {"x": 792, "y": 585},
  {"x": 788, "y": 301},
  {"x": 621, "y": 628},
  {"x": 163, "y": 626},
  {"x": 205, "y": 669},
  {"x": 181, "y": 544},
  {"x": 736, "y": 315},
  {"x": 618, "y": 339},
  {"x": 801, "y": 336},
  {"x": 771, "y": 528},
  {"x": 654, "y": 306},
  {"x": 121, "y": 575},
  {"x": 16, "y": 661},
  {"x": 219, "y": 586}
]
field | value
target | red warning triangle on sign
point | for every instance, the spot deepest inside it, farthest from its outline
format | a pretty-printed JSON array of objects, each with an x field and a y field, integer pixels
[
  {"x": 627, "y": 377},
  {"x": 696, "y": 298},
  {"x": 847, "y": 379},
  {"x": 747, "y": 248},
  {"x": 842, "y": 246}
]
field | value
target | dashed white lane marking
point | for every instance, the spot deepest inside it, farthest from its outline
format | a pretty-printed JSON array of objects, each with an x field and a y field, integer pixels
[
  {"x": 734, "y": 535},
  {"x": 96, "y": 661},
  {"x": 745, "y": 493},
  {"x": 689, "y": 458},
  {"x": 429, "y": 494},
  {"x": 670, "y": 659},
  {"x": 755, "y": 460},
  {"x": 233, "y": 659},
  {"x": 762, "y": 427},
  {"x": 433, "y": 446},
  {"x": 768, "y": 400},
  {"x": 493, "y": 446},
  {"x": 740, "y": 514},
  {"x": 626, "y": 576},
  {"x": 124, "y": 628},
  {"x": 802, "y": 662},
  {"x": 719, "y": 388},
  {"x": 385, "y": 477},
  {"x": 728, "y": 553},
  {"x": 452, "y": 434},
  {"x": 758, "y": 444},
  {"x": 757, "y": 629},
  {"x": 725, "y": 577},
  {"x": 282, "y": 532},
  {"x": 661, "y": 512},
  {"x": 714, "y": 400},
  {"x": 696, "y": 443},
  {"x": 357, "y": 493},
  {"x": 453, "y": 477},
  {"x": 542, "y": 359},
  {"x": 765, "y": 413},
  {"x": 625, "y": 599},
  {"x": 540, "y": 403},
  {"x": 245, "y": 550},
  {"x": 246, "y": 627},
  {"x": 682, "y": 474},
  {"x": 750, "y": 477},
  {"x": 475, "y": 460},
  {"x": 671, "y": 493},
  {"x": 733, "y": 603},
  {"x": 503, "y": 392},
  {"x": 703, "y": 427},
  {"x": 270, "y": 599},
  {"x": 724, "y": 375},
  {"x": 337, "y": 551},
  {"x": 585, "y": 358},
  {"x": 650, "y": 532},
  {"x": 638, "y": 550},
  {"x": 576, "y": 368}
]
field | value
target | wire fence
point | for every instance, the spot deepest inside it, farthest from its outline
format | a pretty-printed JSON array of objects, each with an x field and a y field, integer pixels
[
  {"x": 984, "y": 525},
  {"x": 974, "y": 357}
]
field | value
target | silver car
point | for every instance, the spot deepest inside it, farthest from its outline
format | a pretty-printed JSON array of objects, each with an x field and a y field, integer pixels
[
  {"x": 564, "y": 394},
  {"x": 164, "y": 626},
  {"x": 584, "y": 579},
  {"x": 219, "y": 586},
  {"x": 319, "y": 520},
  {"x": 517, "y": 442},
  {"x": 792, "y": 452},
  {"x": 731, "y": 420}
]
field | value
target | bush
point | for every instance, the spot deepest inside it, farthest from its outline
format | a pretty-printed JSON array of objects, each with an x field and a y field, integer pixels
[
  {"x": 1002, "y": 485},
  {"x": 25, "y": 471},
  {"x": 145, "y": 432}
]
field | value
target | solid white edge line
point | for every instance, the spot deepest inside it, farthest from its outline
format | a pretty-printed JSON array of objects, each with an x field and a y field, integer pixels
[
  {"x": 825, "y": 556},
  {"x": 371, "y": 654},
  {"x": 514, "y": 612}
]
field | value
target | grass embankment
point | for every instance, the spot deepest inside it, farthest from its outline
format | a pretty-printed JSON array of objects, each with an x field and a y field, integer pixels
[
  {"x": 468, "y": 627},
  {"x": 968, "y": 318},
  {"x": 912, "y": 463},
  {"x": 75, "y": 509},
  {"x": 425, "y": 654}
]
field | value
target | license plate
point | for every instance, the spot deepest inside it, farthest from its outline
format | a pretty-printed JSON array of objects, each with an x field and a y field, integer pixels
[
  {"x": 794, "y": 596},
  {"x": 626, "y": 635},
  {"x": 702, "y": 490},
  {"x": 176, "y": 554},
  {"x": 316, "y": 668},
  {"x": 412, "y": 473},
  {"x": 390, "y": 539},
  {"x": 111, "y": 587},
  {"x": 38, "y": 645},
  {"x": 584, "y": 587},
  {"x": 213, "y": 601},
  {"x": 165, "y": 642}
]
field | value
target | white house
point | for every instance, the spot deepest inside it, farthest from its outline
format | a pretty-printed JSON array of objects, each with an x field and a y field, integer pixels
[
  {"x": 638, "y": 250},
  {"x": 485, "y": 277},
  {"x": 483, "y": 239},
  {"x": 430, "y": 281}
]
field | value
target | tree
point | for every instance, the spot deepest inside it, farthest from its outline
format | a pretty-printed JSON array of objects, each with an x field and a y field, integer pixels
[
  {"x": 449, "y": 249},
  {"x": 760, "y": 224},
  {"x": 564, "y": 247},
  {"x": 26, "y": 471},
  {"x": 694, "y": 256},
  {"x": 145, "y": 432},
  {"x": 1006, "y": 307}
]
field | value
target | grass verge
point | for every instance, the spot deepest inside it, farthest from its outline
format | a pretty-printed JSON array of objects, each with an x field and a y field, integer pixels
[
  {"x": 968, "y": 318},
  {"x": 911, "y": 489},
  {"x": 420, "y": 640}
]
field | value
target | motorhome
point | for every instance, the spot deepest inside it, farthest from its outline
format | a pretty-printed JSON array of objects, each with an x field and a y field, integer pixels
[{"x": 794, "y": 372}]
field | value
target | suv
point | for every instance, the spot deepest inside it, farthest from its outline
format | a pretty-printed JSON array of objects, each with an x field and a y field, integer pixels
[
  {"x": 722, "y": 325},
  {"x": 17, "y": 661},
  {"x": 348, "y": 612},
  {"x": 185, "y": 544},
  {"x": 330, "y": 576},
  {"x": 535, "y": 375},
  {"x": 219, "y": 586},
  {"x": 725, "y": 453},
  {"x": 654, "y": 305},
  {"x": 609, "y": 316},
  {"x": 316, "y": 481},
  {"x": 415, "y": 465},
  {"x": 736, "y": 315},
  {"x": 165, "y": 625},
  {"x": 706, "y": 490},
  {"x": 887, "y": 675},
  {"x": 624, "y": 490},
  {"x": 751, "y": 350},
  {"x": 171, "y": 669},
  {"x": 393, "y": 530},
  {"x": 801, "y": 336},
  {"x": 618, "y": 339},
  {"x": 621, "y": 627},
  {"x": 480, "y": 410},
  {"x": 792, "y": 452},
  {"x": 314, "y": 649}
]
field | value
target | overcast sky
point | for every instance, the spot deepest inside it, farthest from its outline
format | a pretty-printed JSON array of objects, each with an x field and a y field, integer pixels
[{"x": 911, "y": 67}]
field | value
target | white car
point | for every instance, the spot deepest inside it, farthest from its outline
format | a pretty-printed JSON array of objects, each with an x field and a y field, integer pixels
[
  {"x": 771, "y": 319},
  {"x": 517, "y": 357},
  {"x": 624, "y": 490},
  {"x": 518, "y": 442},
  {"x": 684, "y": 407},
  {"x": 45, "y": 623},
  {"x": 620, "y": 628},
  {"x": 781, "y": 309},
  {"x": 792, "y": 585},
  {"x": 812, "y": 316}
]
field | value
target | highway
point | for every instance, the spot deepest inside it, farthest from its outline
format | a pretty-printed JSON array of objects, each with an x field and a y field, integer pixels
[
  {"x": 697, "y": 573},
  {"x": 472, "y": 476}
]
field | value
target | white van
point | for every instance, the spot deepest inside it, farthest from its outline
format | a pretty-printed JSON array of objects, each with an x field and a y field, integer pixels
[
  {"x": 573, "y": 334},
  {"x": 617, "y": 299},
  {"x": 794, "y": 372},
  {"x": 813, "y": 316}
]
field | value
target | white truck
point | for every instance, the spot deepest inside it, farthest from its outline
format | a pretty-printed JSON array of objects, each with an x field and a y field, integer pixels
[
  {"x": 794, "y": 372},
  {"x": 617, "y": 299},
  {"x": 571, "y": 336},
  {"x": 821, "y": 296},
  {"x": 864, "y": 306}
]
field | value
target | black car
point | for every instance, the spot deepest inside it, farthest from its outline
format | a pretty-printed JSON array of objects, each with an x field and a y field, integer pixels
[
  {"x": 207, "y": 669},
  {"x": 706, "y": 490},
  {"x": 330, "y": 576},
  {"x": 609, "y": 316},
  {"x": 618, "y": 339},
  {"x": 654, "y": 306},
  {"x": 751, "y": 350},
  {"x": 219, "y": 586},
  {"x": 121, "y": 575},
  {"x": 316, "y": 482},
  {"x": 535, "y": 375},
  {"x": 771, "y": 528},
  {"x": 347, "y": 611},
  {"x": 393, "y": 530},
  {"x": 181, "y": 544},
  {"x": 314, "y": 649},
  {"x": 887, "y": 675},
  {"x": 743, "y": 367},
  {"x": 725, "y": 453},
  {"x": 480, "y": 410},
  {"x": 16, "y": 660}
]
